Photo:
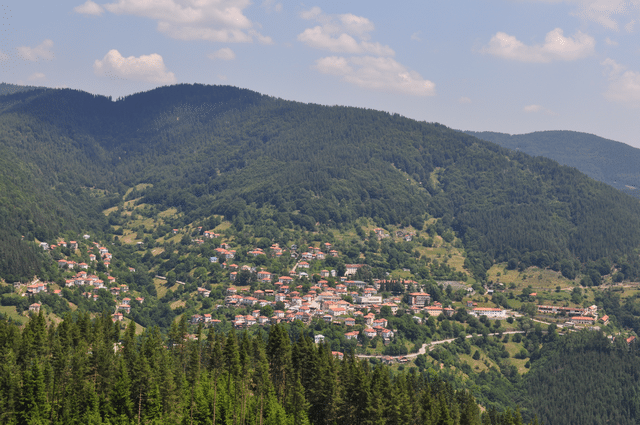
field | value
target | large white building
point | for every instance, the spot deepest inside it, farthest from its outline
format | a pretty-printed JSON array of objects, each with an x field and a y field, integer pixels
[{"x": 491, "y": 313}]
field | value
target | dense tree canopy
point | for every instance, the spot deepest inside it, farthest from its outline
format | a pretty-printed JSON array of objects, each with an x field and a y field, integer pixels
[{"x": 209, "y": 150}]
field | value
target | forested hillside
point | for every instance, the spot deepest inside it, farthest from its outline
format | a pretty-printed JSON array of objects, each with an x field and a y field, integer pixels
[
  {"x": 583, "y": 378},
  {"x": 83, "y": 372},
  {"x": 610, "y": 162},
  {"x": 208, "y": 150}
]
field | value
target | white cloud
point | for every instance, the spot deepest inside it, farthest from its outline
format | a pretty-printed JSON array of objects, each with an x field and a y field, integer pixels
[
  {"x": 464, "y": 99},
  {"x": 416, "y": 36},
  {"x": 314, "y": 13},
  {"x": 149, "y": 68},
  {"x": 89, "y": 8},
  {"x": 36, "y": 76},
  {"x": 629, "y": 27},
  {"x": 262, "y": 39},
  {"x": 34, "y": 53},
  {"x": 533, "y": 108},
  {"x": 603, "y": 12},
  {"x": 272, "y": 5},
  {"x": 225, "y": 54},
  {"x": 371, "y": 66},
  {"x": 610, "y": 42},
  {"x": 624, "y": 85},
  {"x": 379, "y": 73},
  {"x": 345, "y": 33},
  {"x": 556, "y": 47},
  {"x": 211, "y": 20}
]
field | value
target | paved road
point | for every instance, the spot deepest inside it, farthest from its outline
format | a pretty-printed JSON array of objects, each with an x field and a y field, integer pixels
[{"x": 432, "y": 344}]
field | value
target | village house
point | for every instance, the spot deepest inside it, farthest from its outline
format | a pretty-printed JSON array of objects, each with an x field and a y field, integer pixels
[
  {"x": 434, "y": 311},
  {"x": 380, "y": 322},
  {"x": 352, "y": 269},
  {"x": 351, "y": 335},
  {"x": 370, "y": 332},
  {"x": 204, "y": 292},
  {"x": 35, "y": 308},
  {"x": 249, "y": 300},
  {"x": 36, "y": 288},
  {"x": 580, "y": 320},
  {"x": 387, "y": 334},
  {"x": 264, "y": 276},
  {"x": 419, "y": 298},
  {"x": 369, "y": 318}
]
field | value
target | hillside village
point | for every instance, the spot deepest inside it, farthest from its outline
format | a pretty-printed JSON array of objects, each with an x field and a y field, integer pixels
[{"x": 249, "y": 296}]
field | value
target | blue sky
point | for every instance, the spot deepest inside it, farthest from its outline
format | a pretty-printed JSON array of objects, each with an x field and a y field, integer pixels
[{"x": 512, "y": 66}]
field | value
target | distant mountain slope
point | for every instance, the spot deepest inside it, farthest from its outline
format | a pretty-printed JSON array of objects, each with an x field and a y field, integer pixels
[
  {"x": 13, "y": 88},
  {"x": 610, "y": 162},
  {"x": 223, "y": 150}
]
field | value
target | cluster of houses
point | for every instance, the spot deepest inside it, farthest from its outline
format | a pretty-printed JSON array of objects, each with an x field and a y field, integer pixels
[
  {"x": 321, "y": 302},
  {"x": 577, "y": 315},
  {"x": 224, "y": 252}
]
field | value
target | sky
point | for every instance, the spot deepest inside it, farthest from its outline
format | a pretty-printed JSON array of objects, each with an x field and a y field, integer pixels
[{"x": 510, "y": 66}]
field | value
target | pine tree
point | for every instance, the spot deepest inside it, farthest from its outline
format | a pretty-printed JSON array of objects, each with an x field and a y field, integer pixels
[
  {"x": 215, "y": 366},
  {"x": 121, "y": 393},
  {"x": 33, "y": 407},
  {"x": 279, "y": 354}
]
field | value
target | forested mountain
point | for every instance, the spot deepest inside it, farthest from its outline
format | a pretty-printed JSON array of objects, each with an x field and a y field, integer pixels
[
  {"x": 613, "y": 163},
  {"x": 221, "y": 150}
]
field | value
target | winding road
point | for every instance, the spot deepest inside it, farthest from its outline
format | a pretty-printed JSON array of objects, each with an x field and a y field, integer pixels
[{"x": 432, "y": 344}]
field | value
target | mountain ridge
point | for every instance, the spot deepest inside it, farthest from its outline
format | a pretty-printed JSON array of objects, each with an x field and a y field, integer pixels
[
  {"x": 608, "y": 161},
  {"x": 228, "y": 151}
]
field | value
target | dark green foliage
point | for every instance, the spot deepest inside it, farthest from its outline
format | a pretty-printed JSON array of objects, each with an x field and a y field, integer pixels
[
  {"x": 79, "y": 373},
  {"x": 66, "y": 154},
  {"x": 584, "y": 378},
  {"x": 610, "y": 162}
]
